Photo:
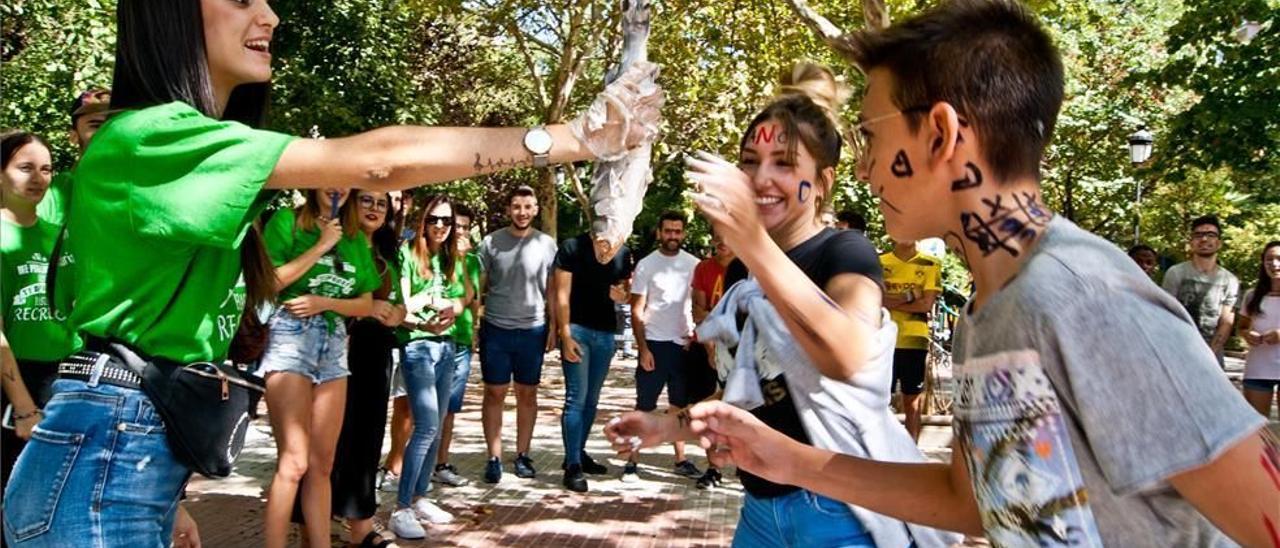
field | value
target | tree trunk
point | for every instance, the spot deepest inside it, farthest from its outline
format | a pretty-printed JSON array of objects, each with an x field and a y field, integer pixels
[
  {"x": 548, "y": 201},
  {"x": 1068, "y": 198}
]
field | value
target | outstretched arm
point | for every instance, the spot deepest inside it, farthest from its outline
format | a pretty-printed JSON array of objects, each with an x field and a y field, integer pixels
[
  {"x": 622, "y": 117},
  {"x": 933, "y": 494},
  {"x": 1240, "y": 491}
]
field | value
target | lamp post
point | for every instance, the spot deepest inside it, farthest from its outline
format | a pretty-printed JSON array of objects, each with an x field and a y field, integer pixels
[{"x": 1139, "y": 151}]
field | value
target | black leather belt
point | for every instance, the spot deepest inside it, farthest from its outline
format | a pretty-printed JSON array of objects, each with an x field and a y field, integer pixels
[{"x": 80, "y": 366}]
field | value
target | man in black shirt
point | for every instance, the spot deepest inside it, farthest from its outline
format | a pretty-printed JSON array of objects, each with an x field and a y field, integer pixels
[{"x": 585, "y": 292}]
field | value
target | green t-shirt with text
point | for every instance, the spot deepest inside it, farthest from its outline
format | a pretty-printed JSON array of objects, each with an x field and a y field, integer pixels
[
  {"x": 163, "y": 201},
  {"x": 34, "y": 330},
  {"x": 358, "y": 275},
  {"x": 54, "y": 205}
]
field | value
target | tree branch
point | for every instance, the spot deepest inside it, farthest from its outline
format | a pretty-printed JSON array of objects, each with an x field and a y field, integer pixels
[
  {"x": 572, "y": 173},
  {"x": 823, "y": 27},
  {"x": 539, "y": 85}
]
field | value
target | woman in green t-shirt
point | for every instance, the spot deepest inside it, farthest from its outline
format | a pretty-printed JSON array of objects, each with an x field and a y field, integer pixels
[
  {"x": 165, "y": 196},
  {"x": 436, "y": 293},
  {"x": 32, "y": 337},
  {"x": 370, "y": 344},
  {"x": 326, "y": 273}
]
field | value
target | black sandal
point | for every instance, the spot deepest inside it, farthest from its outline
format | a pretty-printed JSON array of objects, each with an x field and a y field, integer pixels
[{"x": 384, "y": 542}]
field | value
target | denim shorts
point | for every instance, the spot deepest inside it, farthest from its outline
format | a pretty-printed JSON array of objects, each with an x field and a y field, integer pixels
[
  {"x": 799, "y": 518},
  {"x": 305, "y": 346},
  {"x": 512, "y": 353},
  {"x": 97, "y": 472},
  {"x": 461, "y": 370}
]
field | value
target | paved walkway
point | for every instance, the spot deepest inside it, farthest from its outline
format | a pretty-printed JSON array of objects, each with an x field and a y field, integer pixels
[{"x": 663, "y": 510}]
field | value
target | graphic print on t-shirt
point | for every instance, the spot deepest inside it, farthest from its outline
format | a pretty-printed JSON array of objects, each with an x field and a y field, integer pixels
[
  {"x": 1016, "y": 446},
  {"x": 30, "y": 303},
  {"x": 1194, "y": 294}
]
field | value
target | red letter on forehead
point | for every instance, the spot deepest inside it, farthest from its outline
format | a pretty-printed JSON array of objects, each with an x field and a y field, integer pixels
[{"x": 764, "y": 134}]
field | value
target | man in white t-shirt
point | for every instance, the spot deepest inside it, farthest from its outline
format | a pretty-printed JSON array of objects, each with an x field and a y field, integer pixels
[{"x": 662, "y": 318}]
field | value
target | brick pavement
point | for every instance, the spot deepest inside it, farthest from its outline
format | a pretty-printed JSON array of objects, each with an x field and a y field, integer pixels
[{"x": 663, "y": 510}]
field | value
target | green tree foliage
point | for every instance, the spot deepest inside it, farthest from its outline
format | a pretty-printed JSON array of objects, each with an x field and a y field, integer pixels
[
  {"x": 1235, "y": 119},
  {"x": 51, "y": 51},
  {"x": 349, "y": 65}
]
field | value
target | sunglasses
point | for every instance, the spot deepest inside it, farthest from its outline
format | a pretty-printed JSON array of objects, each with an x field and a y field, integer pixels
[
  {"x": 438, "y": 220},
  {"x": 368, "y": 202}
]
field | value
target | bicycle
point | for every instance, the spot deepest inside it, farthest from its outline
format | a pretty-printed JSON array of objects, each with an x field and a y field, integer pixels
[{"x": 939, "y": 383}]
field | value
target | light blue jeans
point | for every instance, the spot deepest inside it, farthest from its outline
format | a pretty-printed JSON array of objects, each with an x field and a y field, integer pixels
[
  {"x": 582, "y": 383},
  {"x": 428, "y": 377},
  {"x": 97, "y": 472},
  {"x": 799, "y": 519}
]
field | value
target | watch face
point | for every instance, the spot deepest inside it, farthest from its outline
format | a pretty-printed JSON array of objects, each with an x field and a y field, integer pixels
[{"x": 538, "y": 141}]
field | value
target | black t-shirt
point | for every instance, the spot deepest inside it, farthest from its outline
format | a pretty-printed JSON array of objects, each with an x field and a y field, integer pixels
[
  {"x": 589, "y": 302},
  {"x": 822, "y": 257}
]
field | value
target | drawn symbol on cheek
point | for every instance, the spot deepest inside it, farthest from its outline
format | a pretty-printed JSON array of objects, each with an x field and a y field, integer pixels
[
  {"x": 972, "y": 178},
  {"x": 901, "y": 167},
  {"x": 806, "y": 188}
]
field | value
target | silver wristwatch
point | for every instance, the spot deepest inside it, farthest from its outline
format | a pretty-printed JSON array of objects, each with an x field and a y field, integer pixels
[{"x": 538, "y": 142}]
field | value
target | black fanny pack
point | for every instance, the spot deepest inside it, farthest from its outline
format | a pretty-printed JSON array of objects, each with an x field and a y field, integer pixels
[{"x": 205, "y": 406}]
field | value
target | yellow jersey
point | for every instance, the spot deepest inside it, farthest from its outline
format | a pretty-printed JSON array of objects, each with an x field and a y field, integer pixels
[{"x": 921, "y": 273}]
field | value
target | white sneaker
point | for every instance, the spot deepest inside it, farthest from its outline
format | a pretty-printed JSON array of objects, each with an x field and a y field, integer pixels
[
  {"x": 389, "y": 482},
  {"x": 404, "y": 523},
  {"x": 429, "y": 512}
]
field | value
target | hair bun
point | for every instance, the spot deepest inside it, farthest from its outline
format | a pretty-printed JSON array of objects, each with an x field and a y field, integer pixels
[{"x": 820, "y": 85}]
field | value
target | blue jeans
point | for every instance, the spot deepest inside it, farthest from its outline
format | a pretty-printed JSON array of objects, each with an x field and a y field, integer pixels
[
  {"x": 582, "y": 382},
  {"x": 428, "y": 375},
  {"x": 97, "y": 472},
  {"x": 801, "y": 518},
  {"x": 461, "y": 370}
]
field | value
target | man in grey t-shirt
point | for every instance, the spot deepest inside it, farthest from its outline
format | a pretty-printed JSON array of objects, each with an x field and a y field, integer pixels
[
  {"x": 514, "y": 331},
  {"x": 1206, "y": 289},
  {"x": 1088, "y": 411}
]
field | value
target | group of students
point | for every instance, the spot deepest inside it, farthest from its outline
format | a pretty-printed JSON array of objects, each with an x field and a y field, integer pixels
[
  {"x": 1088, "y": 411},
  {"x": 1211, "y": 295}
]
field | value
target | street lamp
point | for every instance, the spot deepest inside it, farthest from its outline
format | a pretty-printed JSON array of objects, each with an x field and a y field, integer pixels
[{"x": 1139, "y": 151}]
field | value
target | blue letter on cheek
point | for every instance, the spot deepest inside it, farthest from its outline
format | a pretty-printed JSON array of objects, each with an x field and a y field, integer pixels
[{"x": 805, "y": 189}]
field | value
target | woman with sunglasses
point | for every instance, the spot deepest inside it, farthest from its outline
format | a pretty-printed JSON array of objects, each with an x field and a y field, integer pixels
[
  {"x": 436, "y": 292},
  {"x": 164, "y": 200}
]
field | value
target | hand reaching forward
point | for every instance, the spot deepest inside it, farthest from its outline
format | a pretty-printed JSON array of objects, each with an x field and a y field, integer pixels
[
  {"x": 625, "y": 115},
  {"x": 732, "y": 435}
]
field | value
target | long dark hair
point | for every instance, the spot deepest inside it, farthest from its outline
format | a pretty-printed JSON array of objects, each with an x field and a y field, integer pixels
[
  {"x": 13, "y": 139},
  {"x": 160, "y": 58},
  {"x": 386, "y": 238},
  {"x": 1254, "y": 305},
  {"x": 448, "y": 248}
]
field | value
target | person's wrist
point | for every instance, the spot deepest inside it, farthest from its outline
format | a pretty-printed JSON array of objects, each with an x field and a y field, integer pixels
[{"x": 32, "y": 413}]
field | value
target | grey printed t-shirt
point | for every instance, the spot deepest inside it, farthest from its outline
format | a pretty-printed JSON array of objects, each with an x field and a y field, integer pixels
[
  {"x": 1081, "y": 387},
  {"x": 517, "y": 270},
  {"x": 1203, "y": 295}
]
